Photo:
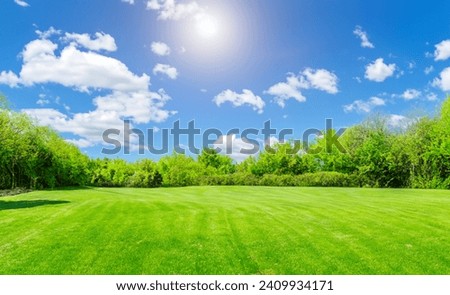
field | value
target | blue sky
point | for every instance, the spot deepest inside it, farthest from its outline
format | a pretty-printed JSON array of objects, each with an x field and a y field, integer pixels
[{"x": 85, "y": 66}]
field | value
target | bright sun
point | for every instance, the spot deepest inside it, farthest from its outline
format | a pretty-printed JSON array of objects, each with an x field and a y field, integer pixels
[
  {"x": 209, "y": 36},
  {"x": 207, "y": 26}
]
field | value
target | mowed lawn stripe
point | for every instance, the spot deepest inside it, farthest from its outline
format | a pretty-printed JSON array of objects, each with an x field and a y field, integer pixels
[{"x": 226, "y": 230}]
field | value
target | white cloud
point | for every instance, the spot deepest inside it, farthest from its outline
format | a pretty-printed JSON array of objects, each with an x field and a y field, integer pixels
[
  {"x": 128, "y": 1},
  {"x": 47, "y": 34},
  {"x": 318, "y": 79},
  {"x": 89, "y": 126},
  {"x": 442, "y": 51},
  {"x": 428, "y": 70},
  {"x": 283, "y": 91},
  {"x": 101, "y": 41},
  {"x": 245, "y": 98},
  {"x": 21, "y": 3},
  {"x": 141, "y": 107},
  {"x": 362, "y": 106},
  {"x": 378, "y": 71},
  {"x": 322, "y": 80},
  {"x": 399, "y": 121},
  {"x": 160, "y": 48},
  {"x": 46, "y": 116},
  {"x": 432, "y": 96},
  {"x": 364, "y": 38},
  {"x": 410, "y": 94},
  {"x": 9, "y": 78},
  {"x": 42, "y": 101},
  {"x": 236, "y": 148},
  {"x": 399, "y": 73},
  {"x": 110, "y": 111},
  {"x": 77, "y": 69},
  {"x": 128, "y": 95},
  {"x": 171, "y": 10},
  {"x": 167, "y": 70},
  {"x": 81, "y": 143},
  {"x": 443, "y": 81}
]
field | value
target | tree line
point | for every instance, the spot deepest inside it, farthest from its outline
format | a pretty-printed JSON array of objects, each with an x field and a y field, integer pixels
[
  {"x": 33, "y": 156},
  {"x": 418, "y": 156}
]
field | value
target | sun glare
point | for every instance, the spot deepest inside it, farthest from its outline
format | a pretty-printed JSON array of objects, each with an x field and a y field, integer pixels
[
  {"x": 214, "y": 39},
  {"x": 207, "y": 26}
]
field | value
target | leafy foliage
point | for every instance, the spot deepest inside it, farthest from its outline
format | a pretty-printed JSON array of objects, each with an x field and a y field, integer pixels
[
  {"x": 368, "y": 155},
  {"x": 37, "y": 157}
]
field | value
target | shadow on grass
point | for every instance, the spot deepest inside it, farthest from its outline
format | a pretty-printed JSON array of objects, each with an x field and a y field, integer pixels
[{"x": 11, "y": 205}]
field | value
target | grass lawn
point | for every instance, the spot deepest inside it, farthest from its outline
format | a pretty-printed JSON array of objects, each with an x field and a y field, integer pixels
[{"x": 226, "y": 230}]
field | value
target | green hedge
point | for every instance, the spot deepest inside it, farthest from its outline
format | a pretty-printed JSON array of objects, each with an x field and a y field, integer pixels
[
  {"x": 327, "y": 179},
  {"x": 321, "y": 179}
]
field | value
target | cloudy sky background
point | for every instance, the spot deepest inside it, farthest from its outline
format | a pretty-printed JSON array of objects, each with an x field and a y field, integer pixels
[{"x": 85, "y": 66}]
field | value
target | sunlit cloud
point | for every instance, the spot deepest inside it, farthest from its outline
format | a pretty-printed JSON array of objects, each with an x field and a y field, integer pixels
[
  {"x": 167, "y": 70},
  {"x": 21, "y": 3},
  {"x": 443, "y": 81},
  {"x": 361, "y": 106},
  {"x": 101, "y": 41},
  {"x": 378, "y": 71},
  {"x": 79, "y": 67},
  {"x": 247, "y": 97},
  {"x": 364, "y": 38},
  {"x": 160, "y": 48},
  {"x": 410, "y": 94},
  {"x": 442, "y": 50},
  {"x": 319, "y": 79},
  {"x": 428, "y": 70},
  {"x": 9, "y": 78},
  {"x": 171, "y": 10}
]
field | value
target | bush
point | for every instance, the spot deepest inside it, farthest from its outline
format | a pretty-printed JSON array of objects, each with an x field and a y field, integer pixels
[
  {"x": 278, "y": 180},
  {"x": 244, "y": 179},
  {"x": 224, "y": 179},
  {"x": 145, "y": 179},
  {"x": 327, "y": 179},
  {"x": 240, "y": 178},
  {"x": 321, "y": 179}
]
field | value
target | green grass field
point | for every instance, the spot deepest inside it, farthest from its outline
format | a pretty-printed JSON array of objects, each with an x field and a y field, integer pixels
[{"x": 226, "y": 230}]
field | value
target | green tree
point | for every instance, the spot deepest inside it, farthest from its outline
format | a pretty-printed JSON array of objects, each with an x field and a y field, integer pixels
[
  {"x": 216, "y": 163},
  {"x": 145, "y": 174},
  {"x": 180, "y": 170}
]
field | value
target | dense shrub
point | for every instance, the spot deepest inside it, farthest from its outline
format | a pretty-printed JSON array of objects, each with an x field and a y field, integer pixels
[
  {"x": 324, "y": 179},
  {"x": 327, "y": 179},
  {"x": 278, "y": 180},
  {"x": 244, "y": 179},
  {"x": 239, "y": 178},
  {"x": 145, "y": 179},
  {"x": 223, "y": 179}
]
